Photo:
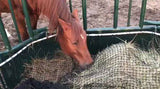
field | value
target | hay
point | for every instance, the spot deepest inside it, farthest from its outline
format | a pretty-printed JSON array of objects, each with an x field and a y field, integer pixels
[
  {"x": 52, "y": 70},
  {"x": 122, "y": 66}
]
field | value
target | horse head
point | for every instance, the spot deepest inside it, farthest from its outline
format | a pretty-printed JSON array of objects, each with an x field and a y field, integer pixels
[{"x": 72, "y": 39}]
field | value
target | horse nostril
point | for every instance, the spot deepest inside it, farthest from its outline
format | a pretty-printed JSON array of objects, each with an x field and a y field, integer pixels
[
  {"x": 89, "y": 60},
  {"x": 84, "y": 66}
]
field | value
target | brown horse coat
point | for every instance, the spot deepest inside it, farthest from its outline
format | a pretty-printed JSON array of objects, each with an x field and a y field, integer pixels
[{"x": 71, "y": 36}]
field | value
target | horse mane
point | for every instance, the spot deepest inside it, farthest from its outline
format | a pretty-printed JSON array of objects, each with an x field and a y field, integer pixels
[{"x": 55, "y": 9}]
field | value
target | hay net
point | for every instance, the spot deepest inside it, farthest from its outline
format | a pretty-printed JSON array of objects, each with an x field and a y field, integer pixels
[{"x": 122, "y": 66}]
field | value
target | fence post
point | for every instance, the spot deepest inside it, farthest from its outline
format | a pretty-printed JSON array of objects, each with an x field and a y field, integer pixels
[
  {"x": 70, "y": 5},
  {"x": 143, "y": 11},
  {"x": 84, "y": 12},
  {"x": 4, "y": 36},
  {"x": 28, "y": 22},
  {"x": 116, "y": 6},
  {"x": 129, "y": 12},
  {"x": 14, "y": 20}
]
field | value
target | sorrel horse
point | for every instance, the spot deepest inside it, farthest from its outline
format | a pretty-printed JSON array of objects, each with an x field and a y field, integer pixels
[{"x": 71, "y": 36}]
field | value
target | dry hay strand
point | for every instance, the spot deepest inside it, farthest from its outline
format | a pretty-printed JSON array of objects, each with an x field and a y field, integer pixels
[
  {"x": 122, "y": 66},
  {"x": 52, "y": 70}
]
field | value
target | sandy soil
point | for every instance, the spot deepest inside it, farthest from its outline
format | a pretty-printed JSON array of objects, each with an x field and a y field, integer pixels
[{"x": 99, "y": 14}]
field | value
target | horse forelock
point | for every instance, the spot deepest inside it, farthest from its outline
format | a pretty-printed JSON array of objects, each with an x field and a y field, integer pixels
[{"x": 77, "y": 30}]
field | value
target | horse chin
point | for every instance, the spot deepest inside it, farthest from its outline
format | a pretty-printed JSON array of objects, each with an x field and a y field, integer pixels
[{"x": 85, "y": 66}]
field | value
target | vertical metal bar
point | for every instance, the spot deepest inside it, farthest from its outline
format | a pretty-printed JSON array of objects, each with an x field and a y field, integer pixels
[
  {"x": 4, "y": 36},
  {"x": 116, "y": 5},
  {"x": 28, "y": 22},
  {"x": 84, "y": 12},
  {"x": 70, "y": 5},
  {"x": 14, "y": 20},
  {"x": 143, "y": 10},
  {"x": 129, "y": 12},
  {"x": 4, "y": 86}
]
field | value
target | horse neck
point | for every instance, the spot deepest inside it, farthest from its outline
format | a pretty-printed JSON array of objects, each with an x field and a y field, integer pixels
[{"x": 55, "y": 9}]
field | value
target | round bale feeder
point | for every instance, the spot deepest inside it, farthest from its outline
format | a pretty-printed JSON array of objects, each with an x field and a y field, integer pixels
[{"x": 40, "y": 45}]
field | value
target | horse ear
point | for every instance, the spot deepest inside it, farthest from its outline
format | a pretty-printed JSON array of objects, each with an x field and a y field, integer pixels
[
  {"x": 64, "y": 24},
  {"x": 75, "y": 14}
]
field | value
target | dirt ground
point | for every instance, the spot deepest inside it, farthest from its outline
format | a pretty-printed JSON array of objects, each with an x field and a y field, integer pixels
[{"x": 99, "y": 14}]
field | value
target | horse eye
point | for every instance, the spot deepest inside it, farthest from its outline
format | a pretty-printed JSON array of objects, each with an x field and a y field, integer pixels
[{"x": 75, "y": 43}]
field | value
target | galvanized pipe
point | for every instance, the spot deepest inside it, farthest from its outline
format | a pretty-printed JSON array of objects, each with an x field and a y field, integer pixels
[
  {"x": 4, "y": 36},
  {"x": 28, "y": 22},
  {"x": 143, "y": 10},
  {"x": 129, "y": 12},
  {"x": 84, "y": 13},
  {"x": 14, "y": 20},
  {"x": 70, "y": 5},
  {"x": 148, "y": 22},
  {"x": 24, "y": 43},
  {"x": 116, "y": 6},
  {"x": 121, "y": 29},
  {"x": 4, "y": 86}
]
